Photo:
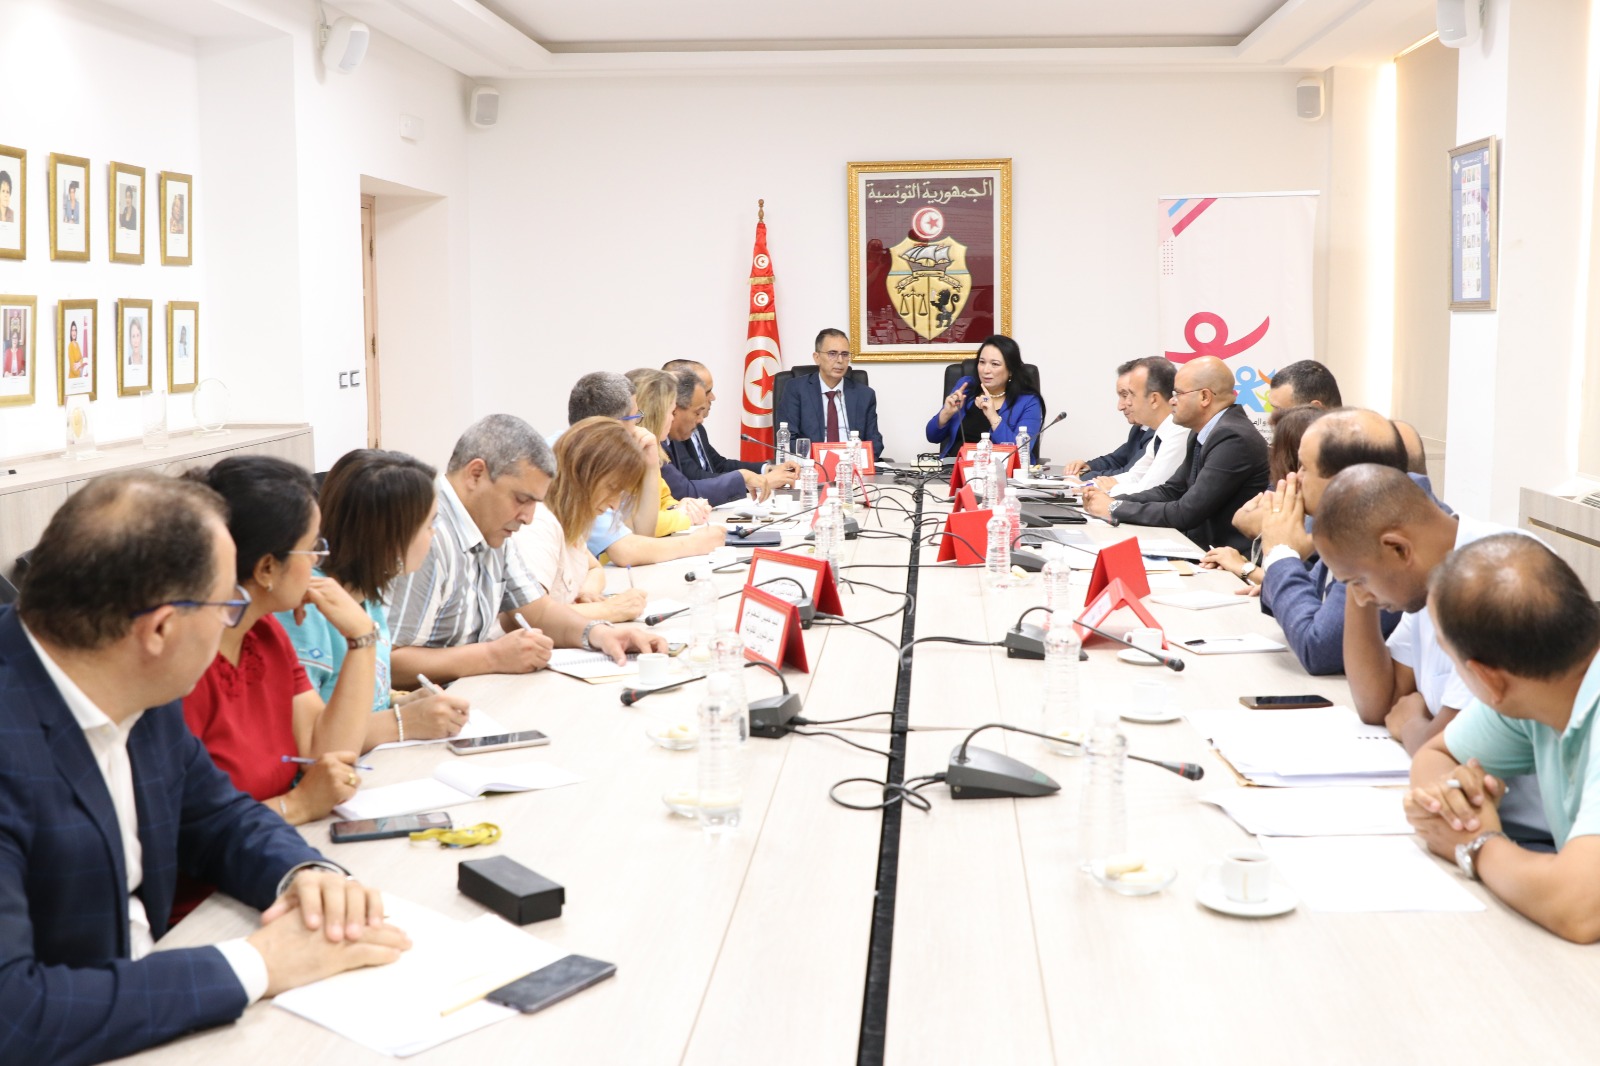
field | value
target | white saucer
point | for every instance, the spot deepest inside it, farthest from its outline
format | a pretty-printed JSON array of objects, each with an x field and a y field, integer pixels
[
  {"x": 1164, "y": 875},
  {"x": 1280, "y": 900},
  {"x": 1152, "y": 718},
  {"x": 1137, "y": 658}
]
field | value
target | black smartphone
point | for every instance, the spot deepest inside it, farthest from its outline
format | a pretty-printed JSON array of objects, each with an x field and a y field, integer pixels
[
  {"x": 528, "y": 738},
  {"x": 552, "y": 984},
  {"x": 1284, "y": 703},
  {"x": 384, "y": 828}
]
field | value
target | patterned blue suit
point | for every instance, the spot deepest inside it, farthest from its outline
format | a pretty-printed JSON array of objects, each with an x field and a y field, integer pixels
[{"x": 69, "y": 992}]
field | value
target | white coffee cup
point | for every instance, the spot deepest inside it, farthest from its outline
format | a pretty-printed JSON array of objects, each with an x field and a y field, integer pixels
[
  {"x": 1150, "y": 697},
  {"x": 1149, "y": 639},
  {"x": 1247, "y": 875},
  {"x": 654, "y": 667}
]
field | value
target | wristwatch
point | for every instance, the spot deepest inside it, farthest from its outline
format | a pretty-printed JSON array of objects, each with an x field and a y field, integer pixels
[
  {"x": 1247, "y": 569},
  {"x": 1467, "y": 854},
  {"x": 363, "y": 642},
  {"x": 584, "y": 640}
]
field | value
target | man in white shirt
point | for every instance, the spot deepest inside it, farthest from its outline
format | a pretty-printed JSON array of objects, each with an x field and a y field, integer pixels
[
  {"x": 1144, "y": 396},
  {"x": 105, "y": 795}
]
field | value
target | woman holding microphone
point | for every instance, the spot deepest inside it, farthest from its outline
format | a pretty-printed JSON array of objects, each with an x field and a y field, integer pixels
[{"x": 1000, "y": 400}]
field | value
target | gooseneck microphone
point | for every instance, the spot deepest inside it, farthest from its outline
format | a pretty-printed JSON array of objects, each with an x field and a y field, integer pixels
[{"x": 1170, "y": 662}]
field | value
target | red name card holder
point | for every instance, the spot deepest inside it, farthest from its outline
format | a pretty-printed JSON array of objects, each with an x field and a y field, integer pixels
[
  {"x": 1121, "y": 561},
  {"x": 958, "y": 476},
  {"x": 1113, "y": 596},
  {"x": 770, "y": 629},
  {"x": 768, "y": 568},
  {"x": 828, "y": 453},
  {"x": 967, "y": 499},
  {"x": 965, "y": 537}
]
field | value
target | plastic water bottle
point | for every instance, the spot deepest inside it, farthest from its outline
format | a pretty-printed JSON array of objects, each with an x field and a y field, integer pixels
[
  {"x": 982, "y": 459},
  {"x": 822, "y": 531},
  {"x": 729, "y": 660},
  {"x": 853, "y": 447},
  {"x": 1102, "y": 813},
  {"x": 1055, "y": 577},
  {"x": 808, "y": 484},
  {"x": 721, "y": 772},
  {"x": 983, "y": 453},
  {"x": 1024, "y": 456},
  {"x": 997, "y": 560},
  {"x": 1062, "y": 707},
  {"x": 702, "y": 618},
  {"x": 844, "y": 483},
  {"x": 782, "y": 442},
  {"x": 1013, "y": 509},
  {"x": 836, "y": 557}
]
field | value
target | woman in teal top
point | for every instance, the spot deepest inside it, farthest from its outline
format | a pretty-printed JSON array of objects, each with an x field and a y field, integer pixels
[{"x": 377, "y": 523}]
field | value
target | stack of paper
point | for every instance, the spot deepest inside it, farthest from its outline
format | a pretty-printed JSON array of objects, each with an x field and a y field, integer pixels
[
  {"x": 453, "y": 784},
  {"x": 417, "y": 1003},
  {"x": 1315, "y": 812},
  {"x": 1369, "y": 873},
  {"x": 1308, "y": 746}
]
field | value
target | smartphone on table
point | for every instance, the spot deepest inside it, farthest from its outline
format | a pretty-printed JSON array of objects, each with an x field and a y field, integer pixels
[
  {"x": 1284, "y": 703},
  {"x": 527, "y": 738},
  {"x": 384, "y": 828},
  {"x": 552, "y": 984}
]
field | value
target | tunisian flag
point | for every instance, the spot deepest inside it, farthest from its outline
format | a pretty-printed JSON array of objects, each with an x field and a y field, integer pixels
[{"x": 762, "y": 357}]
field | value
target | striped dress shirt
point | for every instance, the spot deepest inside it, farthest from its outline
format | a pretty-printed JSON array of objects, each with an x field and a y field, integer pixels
[{"x": 460, "y": 591}]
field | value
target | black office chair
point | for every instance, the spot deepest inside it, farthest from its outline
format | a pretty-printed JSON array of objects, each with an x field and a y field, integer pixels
[
  {"x": 781, "y": 379},
  {"x": 954, "y": 372},
  {"x": 8, "y": 591},
  {"x": 22, "y": 563}
]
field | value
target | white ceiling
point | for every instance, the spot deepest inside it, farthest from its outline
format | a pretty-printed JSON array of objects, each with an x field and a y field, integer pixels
[{"x": 587, "y": 38}]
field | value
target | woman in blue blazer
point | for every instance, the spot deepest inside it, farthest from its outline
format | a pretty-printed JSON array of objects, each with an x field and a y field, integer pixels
[{"x": 1003, "y": 398}]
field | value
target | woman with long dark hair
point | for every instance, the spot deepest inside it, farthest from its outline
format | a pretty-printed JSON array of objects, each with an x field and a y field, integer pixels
[{"x": 1000, "y": 399}]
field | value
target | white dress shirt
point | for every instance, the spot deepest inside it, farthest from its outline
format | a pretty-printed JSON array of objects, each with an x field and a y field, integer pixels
[
  {"x": 1161, "y": 459},
  {"x": 108, "y": 742}
]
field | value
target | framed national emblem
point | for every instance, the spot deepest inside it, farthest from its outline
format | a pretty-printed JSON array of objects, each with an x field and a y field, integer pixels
[{"x": 930, "y": 258}]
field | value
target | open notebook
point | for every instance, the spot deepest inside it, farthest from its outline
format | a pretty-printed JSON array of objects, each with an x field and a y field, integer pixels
[{"x": 453, "y": 783}]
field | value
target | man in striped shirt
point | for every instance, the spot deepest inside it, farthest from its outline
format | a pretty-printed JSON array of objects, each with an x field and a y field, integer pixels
[{"x": 442, "y": 614}]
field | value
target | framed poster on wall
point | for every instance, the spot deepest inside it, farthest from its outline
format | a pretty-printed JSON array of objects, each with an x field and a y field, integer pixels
[
  {"x": 1474, "y": 225},
  {"x": 13, "y": 203},
  {"x": 19, "y": 357},
  {"x": 930, "y": 258}
]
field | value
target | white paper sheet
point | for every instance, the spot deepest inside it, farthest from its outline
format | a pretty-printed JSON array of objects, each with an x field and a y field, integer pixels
[
  {"x": 396, "y": 1009},
  {"x": 1309, "y": 746},
  {"x": 1176, "y": 549},
  {"x": 1202, "y": 600},
  {"x": 451, "y": 785},
  {"x": 1243, "y": 644},
  {"x": 1366, "y": 873},
  {"x": 1314, "y": 812},
  {"x": 479, "y": 724}
]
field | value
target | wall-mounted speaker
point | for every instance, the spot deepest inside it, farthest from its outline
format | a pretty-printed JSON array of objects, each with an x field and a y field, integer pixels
[
  {"x": 485, "y": 108},
  {"x": 1308, "y": 99},
  {"x": 1460, "y": 21},
  {"x": 344, "y": 45}
]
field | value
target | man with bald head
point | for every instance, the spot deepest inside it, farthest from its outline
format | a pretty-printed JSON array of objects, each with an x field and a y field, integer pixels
[
  {"x": 1524, "y": 635},
  {"x": 1225, "y": 465},
  {"x": 1296, "y": 587},
  {"x": 695, "y": 456}
]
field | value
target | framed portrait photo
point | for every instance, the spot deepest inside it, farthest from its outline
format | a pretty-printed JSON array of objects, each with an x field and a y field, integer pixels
[
  {"x": 183, "y": 345},
  {"x": 125, "y": 218},
  {"x": 133, "y": 347},
  {"x": 77, "y": 349},
  {"x": 18, "y": 356},
  {"x": 1474, "y": 225},
  {"x": 13, "y": 203},
  {"x": 177, "y": 219},
  {"x": 69, "y": 208},
  {"x": 930, "y": 257}
]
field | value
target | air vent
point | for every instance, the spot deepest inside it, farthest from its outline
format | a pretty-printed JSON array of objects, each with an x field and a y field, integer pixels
[{"x": 1591, "y": 500}]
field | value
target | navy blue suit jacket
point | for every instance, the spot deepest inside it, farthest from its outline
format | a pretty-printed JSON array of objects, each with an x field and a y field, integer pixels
[
  {"x": 718, "y": 488},
  {"x": 688, "y": 461},
  {"x": 802, "y": 408},
  {"x": 1121, "y": 458},
  {"x": 69, "y": 992}
]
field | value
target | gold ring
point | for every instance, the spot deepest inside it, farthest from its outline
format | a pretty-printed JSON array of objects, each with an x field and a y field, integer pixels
[{"x": 354, "y": 780}]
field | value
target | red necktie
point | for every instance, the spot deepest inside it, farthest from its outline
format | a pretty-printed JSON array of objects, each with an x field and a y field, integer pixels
[{"x": 833, "y": 415}]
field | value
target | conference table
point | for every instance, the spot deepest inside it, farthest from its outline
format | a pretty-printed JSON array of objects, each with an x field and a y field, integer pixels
[{"x": 818, "y": 934}]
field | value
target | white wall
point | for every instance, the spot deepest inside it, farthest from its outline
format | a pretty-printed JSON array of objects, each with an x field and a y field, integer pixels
[
  {"x": 88, "y": 81},
  {"x": 612, "y": 220}
]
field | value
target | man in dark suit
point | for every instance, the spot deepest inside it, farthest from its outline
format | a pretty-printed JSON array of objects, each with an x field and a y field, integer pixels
[
  {"x": 1225, "y": 467},
  {"x": 827, "y": 406},
  {"x": 1120, "y": 459},
  {"x": 696, "y": 458},
  {"x": 693, "y": 404},
  {"x": 105, "y": 796}
]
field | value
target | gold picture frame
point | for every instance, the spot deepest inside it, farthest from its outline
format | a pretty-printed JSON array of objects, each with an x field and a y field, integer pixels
[
  {"x": 134, "y": 369},
  {"x": 70, "y": 208},
  {"x": 1474, "y": 225},
  {"x": 125, "y": 221},
  {"x": 19, "y": 352},
  {"x": 14, "y": 230},
  {"x": 176, "y": 220},
  {"x": 952, "y": 218},
  {"x": 77, "y": 349},
  {"x": 183, "y": 345}
]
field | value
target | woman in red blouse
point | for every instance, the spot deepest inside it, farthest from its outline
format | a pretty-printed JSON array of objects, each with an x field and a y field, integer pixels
[{"x": 255, "y": 705}]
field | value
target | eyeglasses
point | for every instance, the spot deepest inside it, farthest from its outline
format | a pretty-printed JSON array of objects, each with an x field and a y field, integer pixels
[
  {"x": 837, "y": 355},
  {"x": 318, "y": 551},
  {"x": 232, "y": 610},
  {"x": 1188, "y": 392}
]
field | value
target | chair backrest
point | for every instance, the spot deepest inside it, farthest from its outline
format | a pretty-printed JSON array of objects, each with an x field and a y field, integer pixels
[
  {"x": 8, "y": 591},
  {"x": 782, "y": 379},
  {"x": 968, "y": 368}
]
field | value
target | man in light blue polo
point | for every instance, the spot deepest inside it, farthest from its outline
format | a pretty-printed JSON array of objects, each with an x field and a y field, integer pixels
[{"x": 1525, "y": 637}]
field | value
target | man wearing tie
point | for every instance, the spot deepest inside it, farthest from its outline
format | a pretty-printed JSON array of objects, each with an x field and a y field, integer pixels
[
  {"x": 833, "y": 407},
  {"x": 695, "y": 456}
]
